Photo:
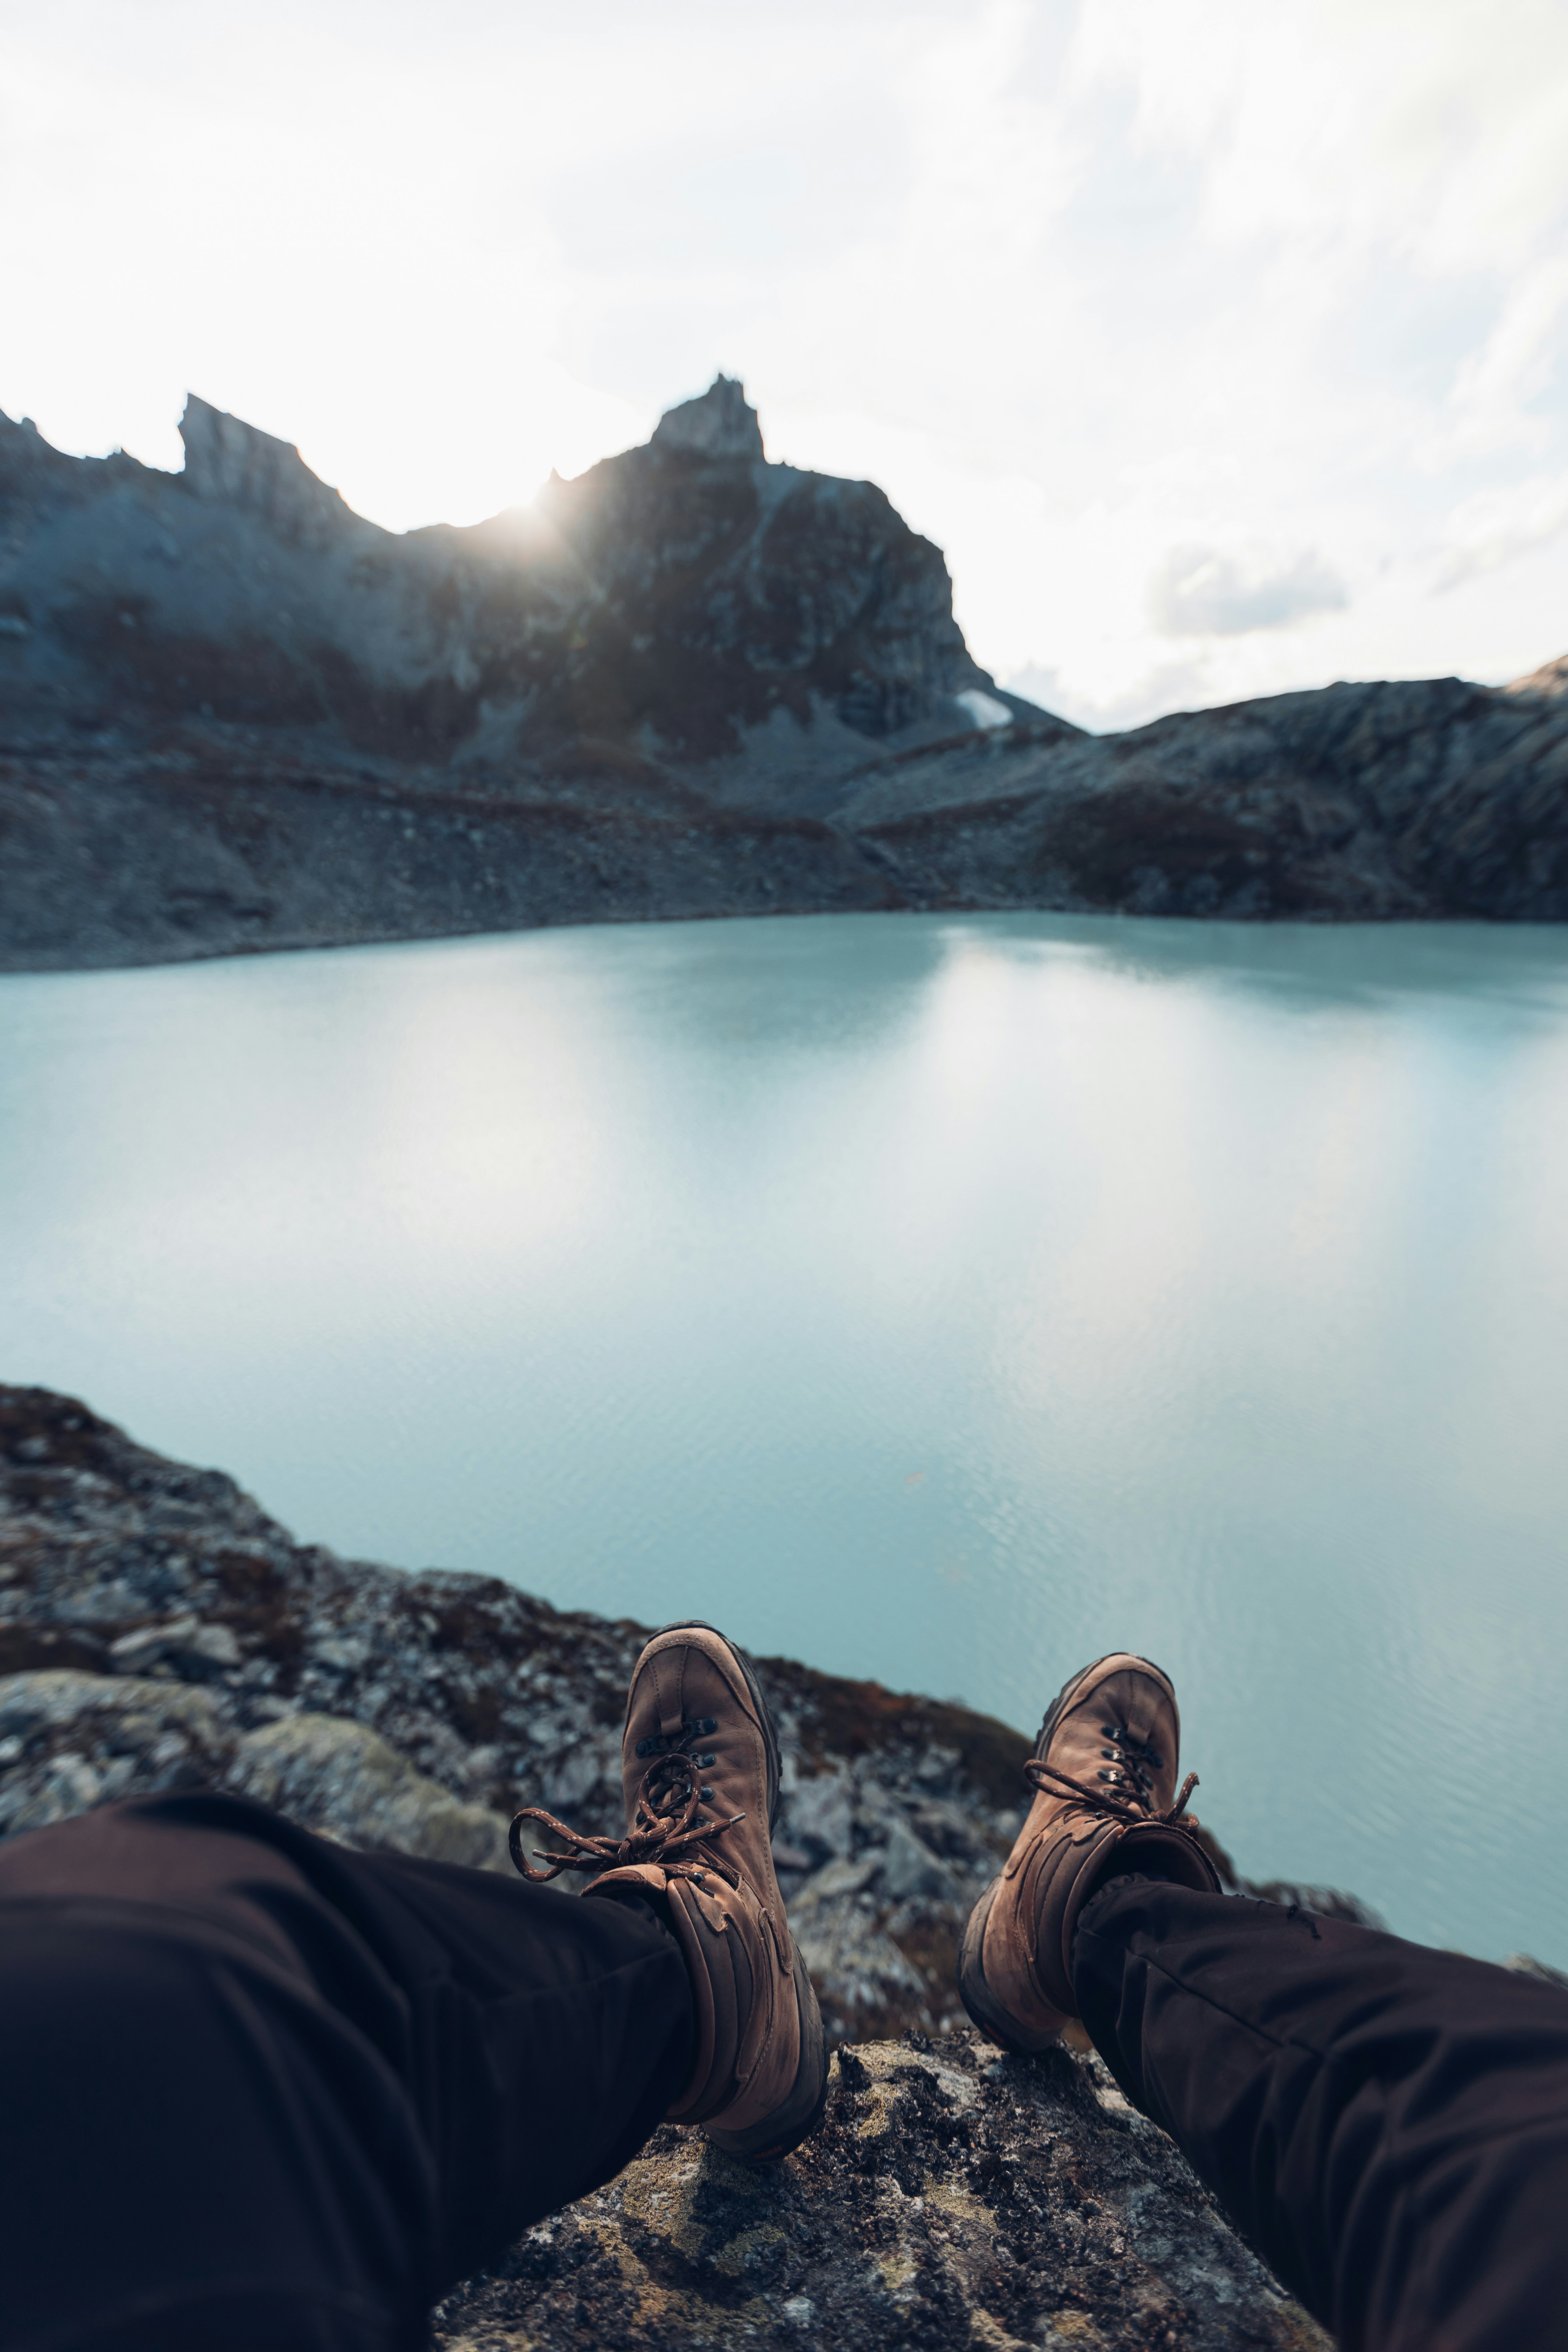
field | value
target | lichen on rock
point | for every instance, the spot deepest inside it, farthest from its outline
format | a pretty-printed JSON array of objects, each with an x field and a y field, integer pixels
[{"x": 952, "y": 2197}]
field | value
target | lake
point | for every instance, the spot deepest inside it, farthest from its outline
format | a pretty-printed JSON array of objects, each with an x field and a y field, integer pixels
[{"x": 945, "y": 1300}]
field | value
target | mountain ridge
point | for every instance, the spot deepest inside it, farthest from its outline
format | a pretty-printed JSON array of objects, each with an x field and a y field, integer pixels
[{"x": 235, "y": 714}]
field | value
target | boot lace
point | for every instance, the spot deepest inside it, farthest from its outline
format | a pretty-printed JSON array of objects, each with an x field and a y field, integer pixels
[
  {"x": 1125, "y": 1793},
  {"x": 668, "y": 1826}
]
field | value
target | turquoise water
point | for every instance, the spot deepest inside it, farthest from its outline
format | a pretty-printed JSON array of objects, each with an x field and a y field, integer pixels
[{"x": 945, "y": 1300}]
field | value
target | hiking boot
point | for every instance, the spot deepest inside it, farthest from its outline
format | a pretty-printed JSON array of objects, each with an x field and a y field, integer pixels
[
  {"x": 700, "y": 1766},
  {"x": 1104, "y": 1773}
]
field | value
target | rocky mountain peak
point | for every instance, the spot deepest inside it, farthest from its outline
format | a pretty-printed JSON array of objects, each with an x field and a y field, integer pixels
[
  {"x": 1548, "y": 682},
  {"x": 720, "y": 423},
  {"x": 235, "y": 464}
]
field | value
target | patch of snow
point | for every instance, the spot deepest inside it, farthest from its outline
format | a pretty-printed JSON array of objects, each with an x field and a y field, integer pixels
[{"x": 984, "y": 709}]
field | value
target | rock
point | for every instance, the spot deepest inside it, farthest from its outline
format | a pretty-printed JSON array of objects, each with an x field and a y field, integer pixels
[
  {"x": 341, "y": 1778},
  {"x": 719, "y": 425},
  {"x": 1549, "y": 680},
  {"x": 229, "y": 463},
  {"x": 1521, "y": 1963},
  {"x": 953, "y": 2197},
  {"x": 184, "y": 1638},
  {"x": 71, "y": 1741},
  {"x": 840, "y": 1876},
  {"x": 1420, "y": 798},
  {"x": 911, "y": 1869}
]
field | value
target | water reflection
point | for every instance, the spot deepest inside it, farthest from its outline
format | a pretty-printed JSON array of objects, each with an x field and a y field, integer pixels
[{"x": 1310, "y": 964}]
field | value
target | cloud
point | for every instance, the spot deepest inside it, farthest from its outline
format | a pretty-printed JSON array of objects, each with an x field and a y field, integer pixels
[
  {"x": 1198, "y": 591},
  {"x": 1353, "y": 122},
  {"x": 1169, "y": 685},
  {"x": 1489, "y": 529}
]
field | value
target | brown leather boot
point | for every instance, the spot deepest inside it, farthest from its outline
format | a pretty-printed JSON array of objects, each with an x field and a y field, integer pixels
[
  {"x": 700, "y": 1766},
  {"x": 1104, "y": 1770}
]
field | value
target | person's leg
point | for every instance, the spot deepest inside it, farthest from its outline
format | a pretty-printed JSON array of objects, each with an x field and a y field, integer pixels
[
  {"x": 699, "y": 1768},
  {"x": 1388, "y": 2124},
  {"x": 255, "y": 2089},
  {"x": 259, "y": 2090}
]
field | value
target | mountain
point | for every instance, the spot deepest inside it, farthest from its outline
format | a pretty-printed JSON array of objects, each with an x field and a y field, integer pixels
[
  {"x": 678, "y": 602},
  {"x": 234, "y": 714}
]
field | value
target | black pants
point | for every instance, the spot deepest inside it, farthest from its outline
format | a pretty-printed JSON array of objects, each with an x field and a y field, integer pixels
[
  {"x": 258, "y": 2091},
  {"x": 255, "y": 2090},
  {"x": 1388, "y": 2124}
]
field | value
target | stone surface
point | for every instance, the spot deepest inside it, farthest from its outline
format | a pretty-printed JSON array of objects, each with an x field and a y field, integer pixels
[
  {"x": 952, "y": 2198},
  {"x": 1542, "y": 1970},
  {"x": 232, "y": 464},
  {"x": 235, "y": 714},
  {"x": 720, "y": 424},
  {"x": 71, "y": 1741},
  {"x": 1369, "y": 802}
]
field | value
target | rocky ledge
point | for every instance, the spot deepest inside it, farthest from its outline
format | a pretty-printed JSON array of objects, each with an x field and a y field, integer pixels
[
  {"x": 953, "y": 2197},
  {"x": 158, "y": 1630}
]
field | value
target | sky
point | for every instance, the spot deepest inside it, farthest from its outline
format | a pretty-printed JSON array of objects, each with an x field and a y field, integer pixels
[{"x": 1221, "y": 347}]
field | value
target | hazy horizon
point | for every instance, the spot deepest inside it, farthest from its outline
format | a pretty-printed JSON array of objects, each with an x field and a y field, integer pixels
[{"x": 1219, "y": 350}]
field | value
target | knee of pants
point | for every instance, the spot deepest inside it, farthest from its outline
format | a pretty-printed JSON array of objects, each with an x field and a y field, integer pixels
[{"x": 184, "y": 2124}]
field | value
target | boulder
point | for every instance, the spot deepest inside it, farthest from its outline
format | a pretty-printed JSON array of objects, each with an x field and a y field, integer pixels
[{"x": 952, "y": 2197}]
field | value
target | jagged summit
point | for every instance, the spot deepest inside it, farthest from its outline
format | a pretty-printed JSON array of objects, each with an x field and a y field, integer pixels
[
  {"x": 235, "y": 463},
  {"x": 683, "y": 602},
  {"x": 1550, "y": 680},
  {"x": 718, "y": 424}
]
